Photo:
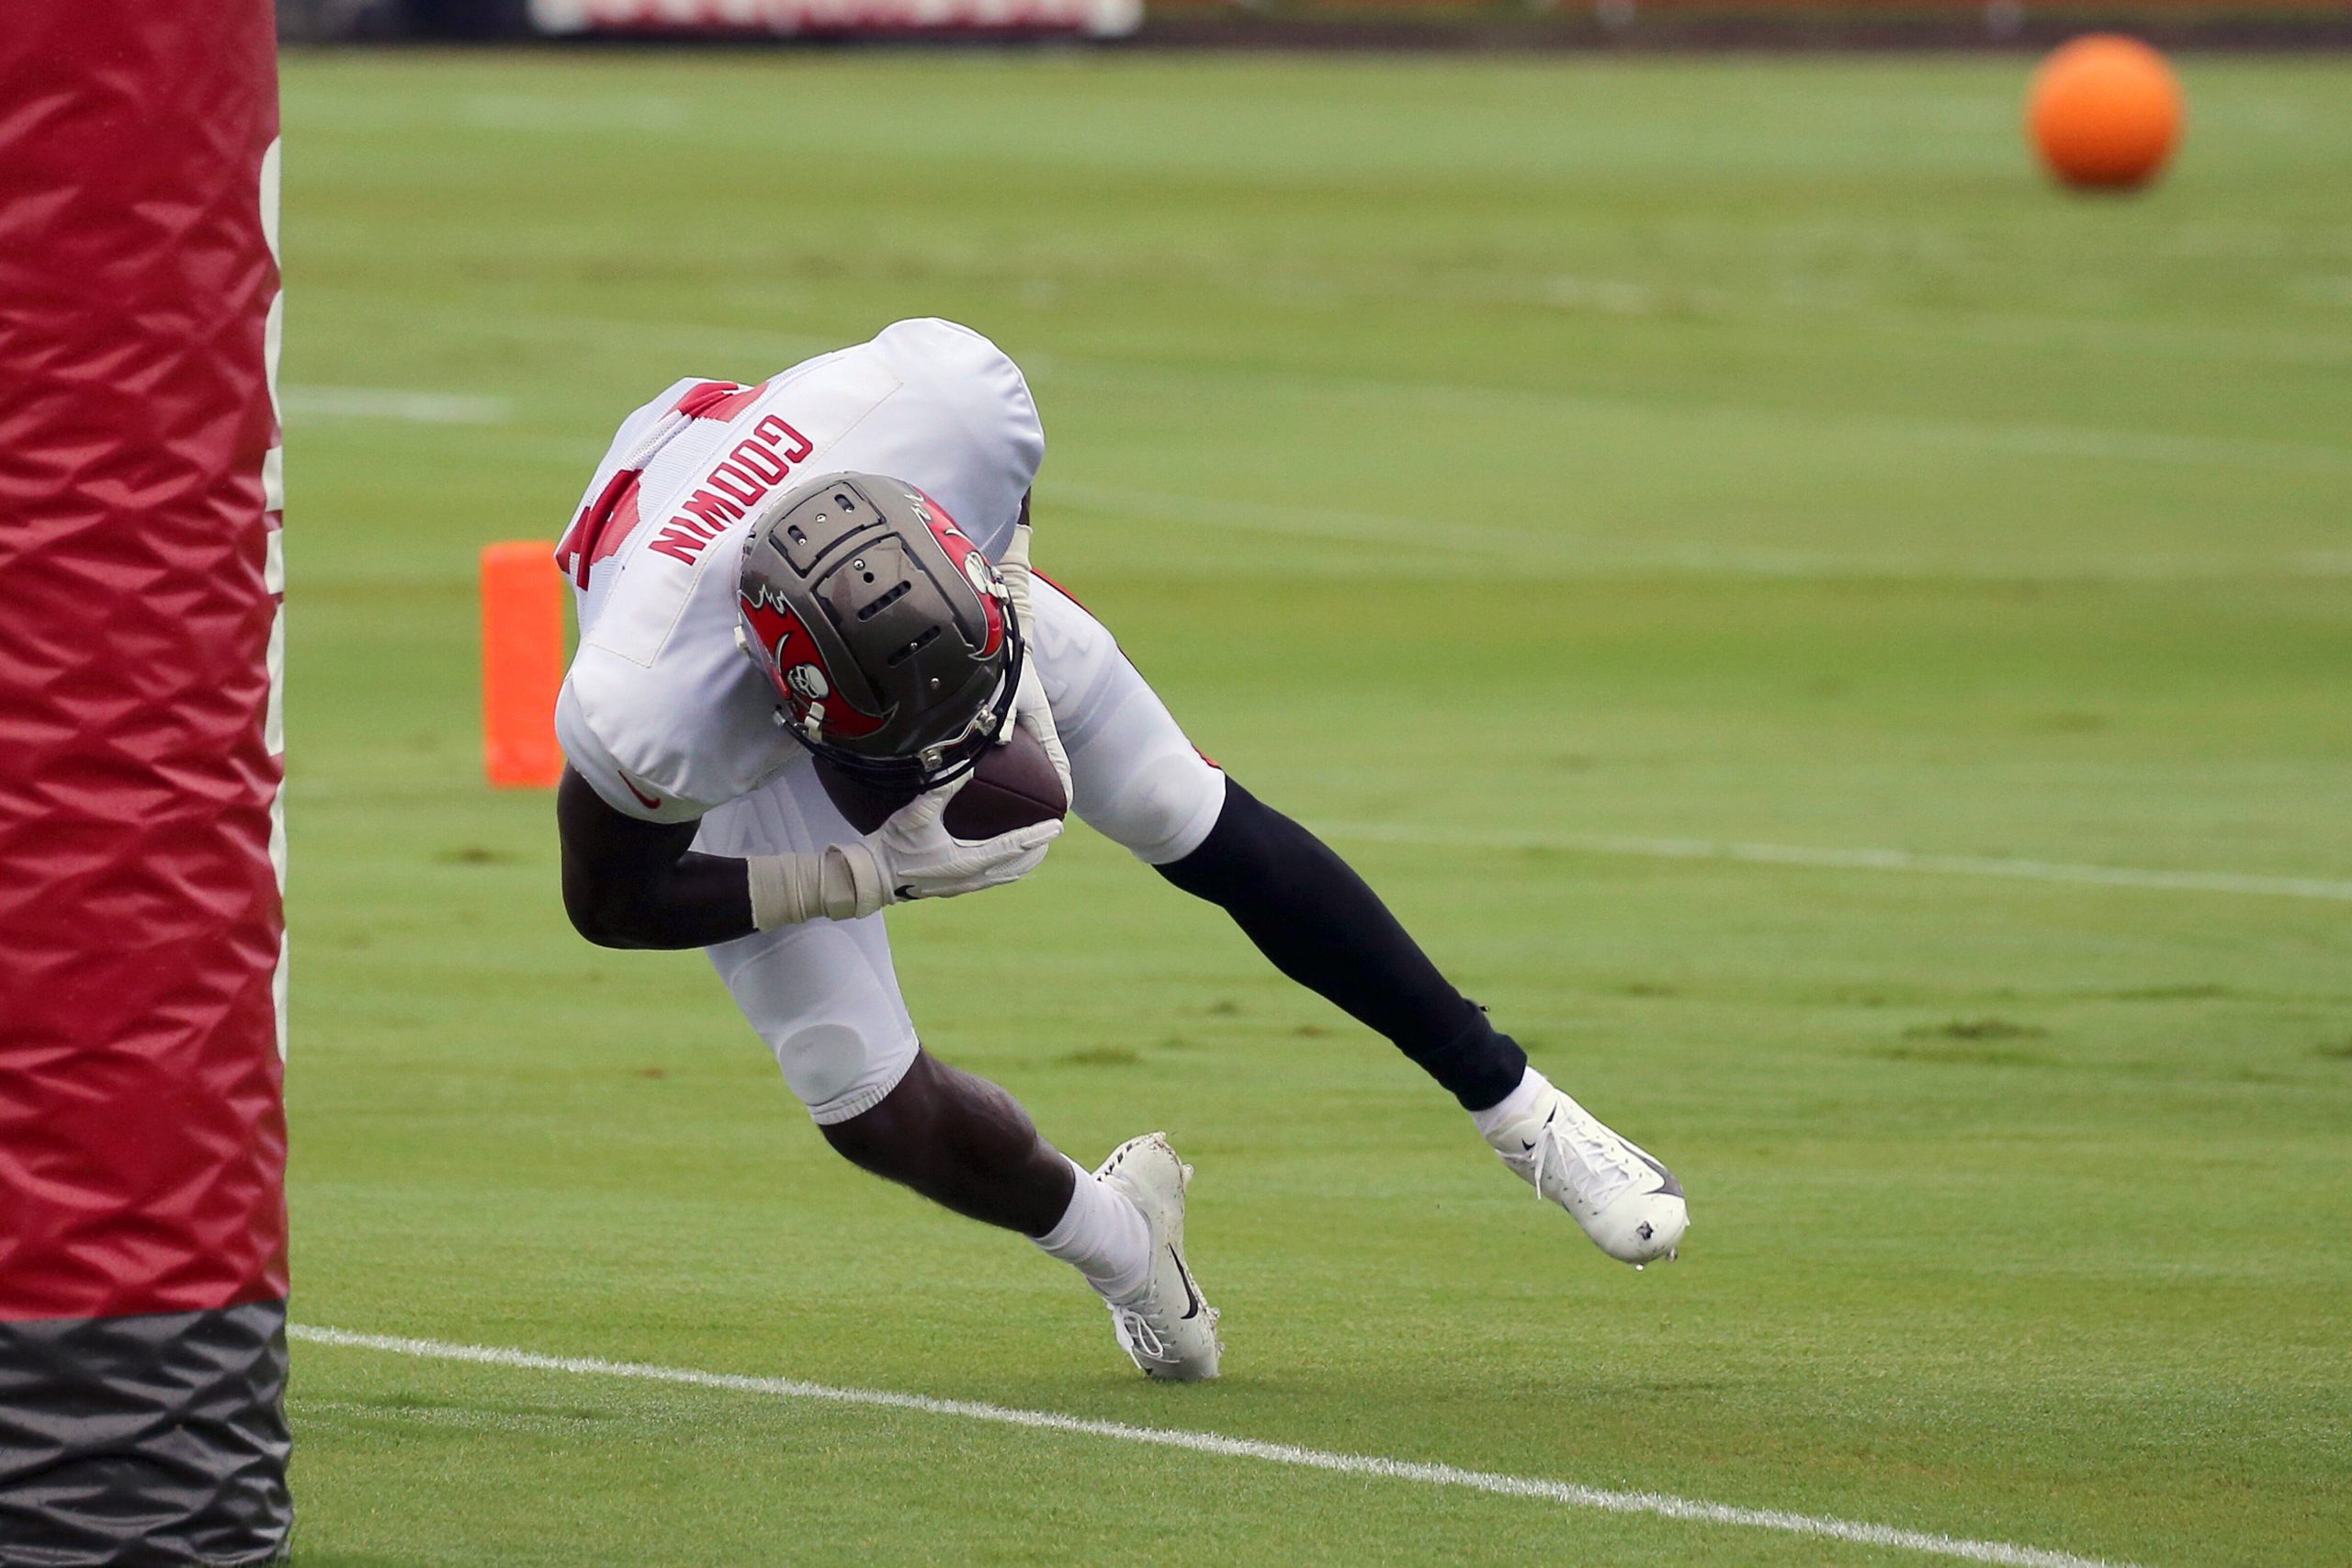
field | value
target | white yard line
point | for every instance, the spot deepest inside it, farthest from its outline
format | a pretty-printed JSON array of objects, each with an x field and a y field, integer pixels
[
  {"x": 1854, "y": 859},
  {"x": 384, "y": 402},
  {"x": 1656, "y": 1504}
]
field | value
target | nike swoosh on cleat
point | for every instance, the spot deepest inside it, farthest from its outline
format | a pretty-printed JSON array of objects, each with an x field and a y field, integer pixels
[
  {"x": 1189, "y": 1294},
  {"x": 1667, "y": 1184}
]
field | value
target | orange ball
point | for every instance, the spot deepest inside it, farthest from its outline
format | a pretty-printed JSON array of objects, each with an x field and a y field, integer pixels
[{"x": 2104, "y": 111}]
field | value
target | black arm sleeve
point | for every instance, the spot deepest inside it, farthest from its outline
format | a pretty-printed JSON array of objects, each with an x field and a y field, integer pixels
[{"x": 633, "y": 883}]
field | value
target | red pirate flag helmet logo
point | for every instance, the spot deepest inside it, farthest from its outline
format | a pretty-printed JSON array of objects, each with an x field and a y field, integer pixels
[{"x": 782, "y": 645}]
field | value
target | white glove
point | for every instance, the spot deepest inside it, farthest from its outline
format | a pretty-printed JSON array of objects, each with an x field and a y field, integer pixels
[
  {"x": 917, "y": 858},
  {"x": 912, "y": 855},
  {"x": 1030, "y": 710}
]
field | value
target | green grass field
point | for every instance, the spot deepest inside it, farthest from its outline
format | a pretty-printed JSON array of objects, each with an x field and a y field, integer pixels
[{"x": 1503, "y": 466}]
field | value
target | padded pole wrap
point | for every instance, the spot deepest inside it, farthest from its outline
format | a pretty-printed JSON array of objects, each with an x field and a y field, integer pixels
[{"x": 142, "y": 1142}]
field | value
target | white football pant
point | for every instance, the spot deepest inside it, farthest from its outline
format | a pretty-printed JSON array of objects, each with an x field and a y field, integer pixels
[{"x": 824, "y": 995}]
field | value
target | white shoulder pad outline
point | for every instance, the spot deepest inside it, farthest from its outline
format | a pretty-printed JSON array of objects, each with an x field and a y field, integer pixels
[
  {"x": 940, "y": 344},
  {"x": 982, "y": 389}
]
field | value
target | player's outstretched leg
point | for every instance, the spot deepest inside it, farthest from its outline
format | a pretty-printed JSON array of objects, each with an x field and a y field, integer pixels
[
  {"x": 1138, "y": 780},
  {"x": 1319, "y": 923},
  {"x": 966, "y": 1145}
]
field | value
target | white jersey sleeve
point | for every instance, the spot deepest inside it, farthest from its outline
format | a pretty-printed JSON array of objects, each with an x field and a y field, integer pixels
[{"x": 607, "y": 774}]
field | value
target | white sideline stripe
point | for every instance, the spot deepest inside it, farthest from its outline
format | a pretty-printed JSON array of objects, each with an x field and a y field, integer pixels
[
  {"x": 1857, "y": 860},
  {"x": 384, "y": 402},
  {"x": 1657, "y": 1504}
]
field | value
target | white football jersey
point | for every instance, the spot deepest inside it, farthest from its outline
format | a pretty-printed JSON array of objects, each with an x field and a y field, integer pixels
[{"x": 662, "y": 713}]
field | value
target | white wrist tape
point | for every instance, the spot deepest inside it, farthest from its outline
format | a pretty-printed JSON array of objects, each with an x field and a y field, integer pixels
[{"x": 839, "y": 883}]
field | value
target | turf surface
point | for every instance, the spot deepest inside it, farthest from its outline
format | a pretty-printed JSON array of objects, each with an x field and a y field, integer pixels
[{"x": 1480, "y": 457}]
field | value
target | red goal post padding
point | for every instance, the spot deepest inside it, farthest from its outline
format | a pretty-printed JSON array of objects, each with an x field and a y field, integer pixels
[
  {"x": 141, "y": 1145},
  {"x": 142, "y": 1142}
]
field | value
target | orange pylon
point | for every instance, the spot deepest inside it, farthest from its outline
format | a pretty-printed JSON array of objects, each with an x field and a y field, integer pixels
[{"x": 522, "y": 663}]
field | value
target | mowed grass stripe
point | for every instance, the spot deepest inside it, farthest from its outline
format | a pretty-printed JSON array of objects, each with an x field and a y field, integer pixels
[
  {"x": 1657, "y": 1504},
  {"x": 1752, "y": 418},
  {"x": 1573, "y": 554}
]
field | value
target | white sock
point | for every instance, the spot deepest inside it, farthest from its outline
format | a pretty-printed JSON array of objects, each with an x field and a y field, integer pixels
[
  {"x": 1514, "y": 1106},
  {"x": 1104, "y": 1237}
]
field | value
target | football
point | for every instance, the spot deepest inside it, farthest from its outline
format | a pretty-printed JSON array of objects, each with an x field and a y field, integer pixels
[{"x": 1012, "y": 787}]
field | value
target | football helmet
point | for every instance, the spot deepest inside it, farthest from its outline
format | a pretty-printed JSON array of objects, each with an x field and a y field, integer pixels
[{"x": 890, "y": 638}]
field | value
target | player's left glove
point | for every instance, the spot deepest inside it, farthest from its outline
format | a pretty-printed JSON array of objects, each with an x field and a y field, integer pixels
[
  {"x": 1030, "y": 710},
  {"x": 911, "y": 855},
  {"x": 916, "y": 856}
]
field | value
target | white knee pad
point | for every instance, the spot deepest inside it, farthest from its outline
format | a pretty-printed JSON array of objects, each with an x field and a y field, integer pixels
[
  {"x": 1160, "y": 802},
  {"x": 835, "y": 1070},
  {"x": 824, "y": 998},
  {"x": 1135, "y": 778}
]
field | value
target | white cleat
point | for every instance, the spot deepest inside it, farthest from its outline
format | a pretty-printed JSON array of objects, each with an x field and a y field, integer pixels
[
  {"x": 1168, "y": 1329},
  {"x": 1629, "y": 1203}
]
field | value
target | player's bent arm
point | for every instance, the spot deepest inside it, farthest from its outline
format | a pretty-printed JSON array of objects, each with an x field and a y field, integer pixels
[{"x": 630, "y": 883}]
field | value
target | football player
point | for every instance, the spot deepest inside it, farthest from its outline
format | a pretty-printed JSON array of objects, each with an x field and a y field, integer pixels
[{"x": 727, "y": 646}]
